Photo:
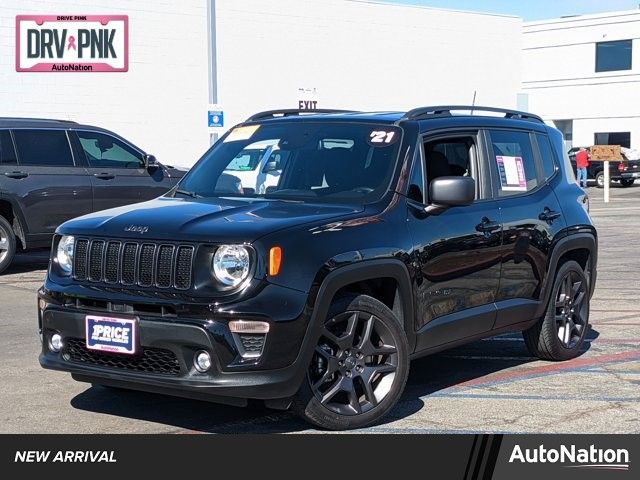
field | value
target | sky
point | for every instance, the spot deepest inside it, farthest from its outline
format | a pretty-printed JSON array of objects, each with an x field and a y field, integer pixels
[{"x": 530, "y": 9}]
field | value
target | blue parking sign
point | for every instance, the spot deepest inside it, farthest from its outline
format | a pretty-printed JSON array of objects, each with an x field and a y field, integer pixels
[{"x": 216, "y": 118}]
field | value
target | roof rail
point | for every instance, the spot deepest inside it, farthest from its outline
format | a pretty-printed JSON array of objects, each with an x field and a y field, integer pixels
[
  {"x": 287, "y": 112},
  {"x": 445, "y": 110},
  {"x": 30, "y": 119}
]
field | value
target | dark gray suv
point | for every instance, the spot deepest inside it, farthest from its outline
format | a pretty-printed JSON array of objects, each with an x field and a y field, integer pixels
[{"x": 55, "y": 170}]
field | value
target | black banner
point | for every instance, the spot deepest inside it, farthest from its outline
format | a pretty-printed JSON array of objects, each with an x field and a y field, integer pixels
[{"x": 467, "y": 457}]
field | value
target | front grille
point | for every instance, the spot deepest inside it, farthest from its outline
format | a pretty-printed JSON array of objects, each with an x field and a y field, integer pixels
[
  {"x": 134, "y": 264},
  {"x": 151, "y": 360}
]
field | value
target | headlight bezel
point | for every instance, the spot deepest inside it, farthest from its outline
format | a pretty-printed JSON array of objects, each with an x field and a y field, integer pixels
[
  {"x": 226, "y": 282},
  {"x": 65, "y": 251}
]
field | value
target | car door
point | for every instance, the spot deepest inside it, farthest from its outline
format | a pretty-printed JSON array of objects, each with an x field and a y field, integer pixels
[
  {"x": 45, "y": 181},
  {"x": 456, "y": 253},
  {"x": 531, "y": 216},
  {"x": 117, "y": 170}
]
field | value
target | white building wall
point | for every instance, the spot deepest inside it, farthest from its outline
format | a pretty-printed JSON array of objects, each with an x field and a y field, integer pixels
[
  {"x": 559, "y": 74},
  {"x": 159, "y": 104},
  {"x": 362, "y": 55}
]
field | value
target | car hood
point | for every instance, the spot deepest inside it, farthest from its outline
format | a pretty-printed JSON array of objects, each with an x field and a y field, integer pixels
[{"x": 204, "y": 220}]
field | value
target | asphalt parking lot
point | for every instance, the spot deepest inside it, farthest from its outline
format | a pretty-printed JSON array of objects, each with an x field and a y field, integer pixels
[{"x": 488, "y": 386}]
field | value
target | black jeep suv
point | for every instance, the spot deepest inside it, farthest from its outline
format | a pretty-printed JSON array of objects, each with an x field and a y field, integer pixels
[
  {"x": 55, "y": 170},
  {"x": 387, "y": 236}
]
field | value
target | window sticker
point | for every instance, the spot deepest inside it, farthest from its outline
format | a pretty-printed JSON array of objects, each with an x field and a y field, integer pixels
[
  {"x": 382, "y": 138},
  {"x": 511, "y": 171},
  {"x": 241, "y": 133}
]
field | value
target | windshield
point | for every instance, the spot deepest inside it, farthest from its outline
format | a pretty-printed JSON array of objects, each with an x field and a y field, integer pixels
[{"x": 307, "y": 161}]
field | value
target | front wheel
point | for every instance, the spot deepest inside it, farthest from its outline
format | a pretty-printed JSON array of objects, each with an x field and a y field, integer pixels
[
  {"x": 359, "y": 367},
  {"x": 7, "y": 244},
  {"x": 559, "y": 335},
  {"x": 600, "y": 179}
]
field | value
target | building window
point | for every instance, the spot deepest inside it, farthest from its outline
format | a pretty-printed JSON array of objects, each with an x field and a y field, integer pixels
[
  {"x": 613, "y": 138},
  {"x": 613, "y": 56}
]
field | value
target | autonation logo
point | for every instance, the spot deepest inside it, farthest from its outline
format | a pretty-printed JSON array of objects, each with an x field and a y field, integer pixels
[{"x": 573, "y": 457}]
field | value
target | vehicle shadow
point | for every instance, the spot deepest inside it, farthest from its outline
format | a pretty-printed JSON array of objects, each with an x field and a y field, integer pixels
[
  {"x": 429, "y": 376},
  {"x": 28, "y": 262}
]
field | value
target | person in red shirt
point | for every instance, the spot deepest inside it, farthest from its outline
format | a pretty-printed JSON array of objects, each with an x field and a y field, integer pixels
[{"x": 582, "y": 162}]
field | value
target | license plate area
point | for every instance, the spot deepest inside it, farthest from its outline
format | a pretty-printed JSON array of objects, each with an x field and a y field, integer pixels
[{"x": 111, "y": 334}]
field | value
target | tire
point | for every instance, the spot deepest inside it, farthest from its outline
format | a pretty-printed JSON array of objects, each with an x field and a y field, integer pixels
[
  {"x": 359, "y": 368},
  {"x": 627, "y": 182},
  {"x": 600, "y": 179},
  {"x": 567, "y": 315},
  {"x": 7, "y": 244}
]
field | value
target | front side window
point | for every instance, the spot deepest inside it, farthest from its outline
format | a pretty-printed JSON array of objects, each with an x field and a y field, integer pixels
[
  {"x": 448, "y": 157},
  {"x": 309, "y": 161},
  {"x": 46, "y": 148},
  {"x": 613, "y": 56},
  {"x": 514, "y": 162},
  {"x": 105, "y": 151}
]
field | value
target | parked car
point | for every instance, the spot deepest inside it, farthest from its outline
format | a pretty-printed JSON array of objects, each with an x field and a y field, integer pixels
[
  {"x": 257, "y": 167},
  {"x": 624, "y": 172},
  {"x": 389, "y": 236},
  {"x": 55, "y": 170}
]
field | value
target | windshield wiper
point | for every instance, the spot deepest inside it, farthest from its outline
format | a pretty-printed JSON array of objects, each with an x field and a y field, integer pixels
[{"x": 186, "y": 193}]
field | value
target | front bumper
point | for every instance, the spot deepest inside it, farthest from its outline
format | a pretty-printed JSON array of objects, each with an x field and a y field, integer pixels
[{"x": 167, "y": 347}]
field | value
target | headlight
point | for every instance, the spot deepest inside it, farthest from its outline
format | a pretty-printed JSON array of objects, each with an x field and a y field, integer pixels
[
  {"x": 65, "y": 253},
  {"x": 231, "y": 264}
]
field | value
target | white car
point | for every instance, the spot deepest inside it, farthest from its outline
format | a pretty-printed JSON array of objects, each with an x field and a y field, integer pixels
[{"x": 258, "y": 166}]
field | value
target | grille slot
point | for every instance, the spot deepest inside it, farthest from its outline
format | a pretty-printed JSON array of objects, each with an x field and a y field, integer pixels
[
  {"x": 164, "y": 266},
  {"x": 80, "y": 259},
  {"x": 184, "y": 260},
  {"x": 151, "y": 360},
  {"x": 95, "y": 260},
  {"x": 134, "y": 264},
  {"x": 129, "y": 255},
  {"x": 112, "y": 262},
  {"x": 145, "y": 271}
]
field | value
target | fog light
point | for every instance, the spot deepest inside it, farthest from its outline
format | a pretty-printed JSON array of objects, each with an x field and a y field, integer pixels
[
  {"x": 55, "y": 343},
  {"x": 202, "y": 361}
]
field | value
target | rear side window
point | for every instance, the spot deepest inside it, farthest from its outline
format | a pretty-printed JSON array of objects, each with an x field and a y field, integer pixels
[
  {"x": 546, "y": 154},
  {"x": 514, "y": 162},
  {"x": 7, "y": 154},
  {"x": 48, "y": 148}
]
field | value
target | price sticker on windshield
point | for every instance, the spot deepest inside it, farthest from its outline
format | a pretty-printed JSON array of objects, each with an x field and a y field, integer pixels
[{"x": 382, "y": 138}]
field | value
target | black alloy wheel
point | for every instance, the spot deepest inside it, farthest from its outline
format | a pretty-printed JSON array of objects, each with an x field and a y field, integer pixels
[{"x": 354, "y": 363}]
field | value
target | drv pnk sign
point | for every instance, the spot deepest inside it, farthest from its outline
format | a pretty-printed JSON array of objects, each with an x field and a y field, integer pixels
[{"x": 72, "y": 43}]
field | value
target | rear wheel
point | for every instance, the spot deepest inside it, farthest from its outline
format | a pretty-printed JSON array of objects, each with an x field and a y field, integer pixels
[
  {"x": 559, "y": 335},
  {"x": 600, "y": 179},
  {"x": 627, "y": 182},
  {"x": 359, "y": 368},
  {"x": 7, "y": 244}
]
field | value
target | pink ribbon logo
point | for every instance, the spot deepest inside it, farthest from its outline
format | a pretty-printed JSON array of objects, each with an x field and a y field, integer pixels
[{"x": 72, "y": 43}]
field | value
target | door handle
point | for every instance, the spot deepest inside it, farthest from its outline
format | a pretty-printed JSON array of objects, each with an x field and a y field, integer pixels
[
  {"x": 104, "y": 176},
  {"x": 549, "y": 215},
  {"x": 488, "y": 226},
  {"x": 16, "y": 175}
]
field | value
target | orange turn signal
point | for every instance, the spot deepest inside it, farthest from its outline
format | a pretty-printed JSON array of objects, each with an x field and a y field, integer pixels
[{"x": 275, "y": 258}]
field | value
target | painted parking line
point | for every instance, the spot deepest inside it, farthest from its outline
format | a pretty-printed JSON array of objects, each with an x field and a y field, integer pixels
[
  {"x": 504, "y": 396},
  {"x": 548, "y": 369}
]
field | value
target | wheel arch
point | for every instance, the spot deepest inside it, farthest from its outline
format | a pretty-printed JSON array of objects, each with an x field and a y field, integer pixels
[
  {"x": 357, "y": 277},
  {"x": 11, "y": 211}
]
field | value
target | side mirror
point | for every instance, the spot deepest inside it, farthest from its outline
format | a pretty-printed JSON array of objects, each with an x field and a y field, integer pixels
[
  {"x": 451, "y": 192},
  {"x": 150, "y": 161},
  {"x": 270, "y": 167}
]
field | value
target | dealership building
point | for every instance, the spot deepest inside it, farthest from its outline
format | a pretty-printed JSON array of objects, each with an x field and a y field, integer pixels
[{"x": 235, "y": 57}]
